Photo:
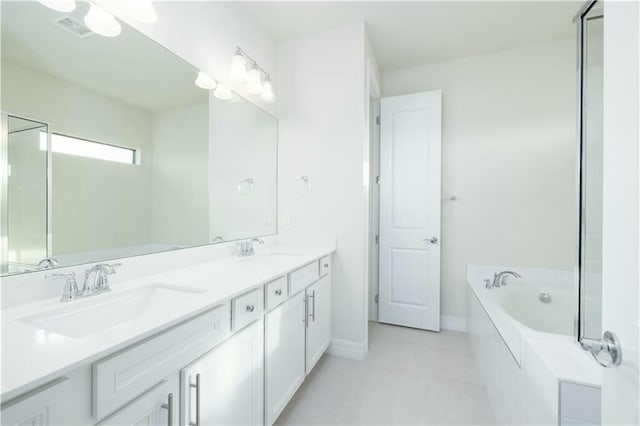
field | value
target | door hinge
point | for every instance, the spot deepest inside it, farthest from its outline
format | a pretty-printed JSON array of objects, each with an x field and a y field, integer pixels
[
  {"x": 377, "y": 239},
  {"x": 378, "y": 180},
  {"x": 378, "y": 120},
  {"x": 377, "y": 298}
]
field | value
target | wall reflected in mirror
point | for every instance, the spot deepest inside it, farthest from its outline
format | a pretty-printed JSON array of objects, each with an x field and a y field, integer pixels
[
  {"x": 141, "y": 159},
  {"x": 591, "y": 122}
]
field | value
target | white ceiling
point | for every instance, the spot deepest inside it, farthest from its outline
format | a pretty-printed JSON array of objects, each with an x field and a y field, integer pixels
[
  {"x": 130, "y": 68},
  {"x": 411, "y": 33}
]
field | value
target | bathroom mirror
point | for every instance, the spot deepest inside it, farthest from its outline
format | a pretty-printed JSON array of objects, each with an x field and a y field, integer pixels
[
  {"x": 590, "y": 32},
  {"x": 110, "y": 150}
]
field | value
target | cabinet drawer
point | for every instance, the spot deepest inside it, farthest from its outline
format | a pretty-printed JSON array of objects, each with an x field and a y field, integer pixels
[
  {"x": 246, "y": 309},
  {"x": 122, "y": 377},
  {"x": 302, "y": 277},
  {"x": 325, "y": 265},
  {"x": 276, "y": 292}
]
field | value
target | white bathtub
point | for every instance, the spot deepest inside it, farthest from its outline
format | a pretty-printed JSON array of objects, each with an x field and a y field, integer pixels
[{"x": 525, "y": 348}]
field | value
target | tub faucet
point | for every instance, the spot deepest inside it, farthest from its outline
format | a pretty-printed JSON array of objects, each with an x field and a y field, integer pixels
[{"x": 500, "y": 278}]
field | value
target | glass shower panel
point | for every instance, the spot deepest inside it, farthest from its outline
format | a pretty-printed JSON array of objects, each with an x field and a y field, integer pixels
[
  {"x": 591, "y": 175},
  {"x": 25, "y": 209}
]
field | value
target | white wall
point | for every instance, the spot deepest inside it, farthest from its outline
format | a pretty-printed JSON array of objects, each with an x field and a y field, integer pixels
[
  {"x": 621, "y": 296},
  {"x": 179, "y": 184},
  {"x": 206, "y": 33},
  {"x": 243, "y": 145},
  {"x": 88, "y": 193},
  {"x": 508, "y": 154},
  {"x": 322, "y": 132}
]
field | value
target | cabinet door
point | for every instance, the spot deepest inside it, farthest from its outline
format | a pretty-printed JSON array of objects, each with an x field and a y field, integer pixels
[
  {"x": 65, "y": 401},
  {"x": 318, "y": 320},
  {"x": 284, "y": 351},
  {"x": 225, "y": 386},
  {"x": 152, "y": 408}
]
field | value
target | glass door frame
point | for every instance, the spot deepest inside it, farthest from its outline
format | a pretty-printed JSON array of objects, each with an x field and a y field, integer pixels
[
  {"x": 4, "y": 187},
  {"x": 580, "y": 20}
]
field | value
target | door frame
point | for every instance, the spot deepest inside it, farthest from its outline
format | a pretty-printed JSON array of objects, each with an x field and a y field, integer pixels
[{"x": 373, "y": 94}]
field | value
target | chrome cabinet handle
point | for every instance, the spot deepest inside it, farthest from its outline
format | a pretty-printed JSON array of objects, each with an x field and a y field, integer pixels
[
  {"x": 251, "y": 308},
  {"x": 169, "y": 407},
  {"x": 313, "y": 306},
  {"x": 432, "y": 240},
  {"x": 279, "y": 292},
  {"x": 306, "y": 312},
  {"x": 197, "y": 386}
]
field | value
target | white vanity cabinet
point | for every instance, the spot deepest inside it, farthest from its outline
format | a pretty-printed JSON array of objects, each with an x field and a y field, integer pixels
[
  {"x": 159, "y": 406},
  {"x": 64, "y": 401},
  {"x": 225, "y": 386},
  {"x": 285, "y": 354},
  {"x": 318, "y": 333},
  {"x": 233, "y": 364}
]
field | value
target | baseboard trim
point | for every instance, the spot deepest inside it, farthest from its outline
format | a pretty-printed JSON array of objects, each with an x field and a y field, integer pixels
[
  {"x": 453, "y": 323},
  {"x": 348, "y": 349}
]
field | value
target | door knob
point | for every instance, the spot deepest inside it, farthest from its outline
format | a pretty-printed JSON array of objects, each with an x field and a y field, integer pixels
[
  {"x": 605, "y": 351},
  {"x": 432, "y": 240}
]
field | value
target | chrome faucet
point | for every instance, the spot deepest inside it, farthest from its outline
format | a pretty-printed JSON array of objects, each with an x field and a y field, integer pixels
[
  {"x": 500, "y": 278},
  {"x": 96, "y": 279},
  {"x": 245, "y": 248}
]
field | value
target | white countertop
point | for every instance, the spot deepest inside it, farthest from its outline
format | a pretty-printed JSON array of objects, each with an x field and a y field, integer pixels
[{"x": 32, "y": 357}]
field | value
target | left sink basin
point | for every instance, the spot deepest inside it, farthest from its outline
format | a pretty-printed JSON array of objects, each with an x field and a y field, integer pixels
[{"x": 94, "y": 314}]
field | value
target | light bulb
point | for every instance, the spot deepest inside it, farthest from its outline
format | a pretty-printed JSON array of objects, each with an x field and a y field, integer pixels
[
  {"x": 102, "y": 22},
  {"x": 268, "y": 95},
  {"x": 223, "y": 93},
  {"x": 205, "y": 82},
  {"x": 254, "y": 80},
  {"x": 238, "y": 71},
  {"x": 60, "y": 5}
]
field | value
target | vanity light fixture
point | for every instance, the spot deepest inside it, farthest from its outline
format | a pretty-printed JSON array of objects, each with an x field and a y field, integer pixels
[
  {"x": 238, "y": 72},
  {"x": 222, "y": 92},
  {"x": 254, "y": 81},
  {"x": 204, "y": 81},
  {"x": 268, "y": 95},
  {"x": 102, "y": 22},
  {"x": 60, "y": 5},
  {"x": 257, "y": 79}
]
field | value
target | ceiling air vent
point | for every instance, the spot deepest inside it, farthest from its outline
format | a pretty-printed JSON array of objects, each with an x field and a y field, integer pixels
[{"x": 74, "y": 26}]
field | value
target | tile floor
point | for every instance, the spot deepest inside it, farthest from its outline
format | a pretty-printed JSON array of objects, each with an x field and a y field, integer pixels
[{"x": 410, "y": 377}]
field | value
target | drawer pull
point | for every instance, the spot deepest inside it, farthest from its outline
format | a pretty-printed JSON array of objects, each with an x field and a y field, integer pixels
[
  {"x": 169, "y": 407},
  {"x": 279, "y": 292},
  {"x": 197, "y": 386},
  {"x": 326, "y": 265},
  {"x": 251, "y": 308}
]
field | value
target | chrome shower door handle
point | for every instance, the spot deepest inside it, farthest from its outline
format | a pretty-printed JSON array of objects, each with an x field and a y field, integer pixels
[{"x": 432, "y": 240}]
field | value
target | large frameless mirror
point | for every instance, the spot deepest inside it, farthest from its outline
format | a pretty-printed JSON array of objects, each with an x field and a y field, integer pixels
[
  {"x": 590, "y": 32},
  {"x": 110, "y": 150}
]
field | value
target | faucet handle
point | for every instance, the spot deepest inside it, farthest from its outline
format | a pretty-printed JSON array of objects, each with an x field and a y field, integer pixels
[{"x": 70, "y": 287}]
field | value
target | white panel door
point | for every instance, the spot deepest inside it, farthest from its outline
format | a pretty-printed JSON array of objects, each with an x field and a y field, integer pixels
[
  {"x": 284, "y": 352},
  {"x": 410, "y": 194},
  {"x": 230, "y": 384}
]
